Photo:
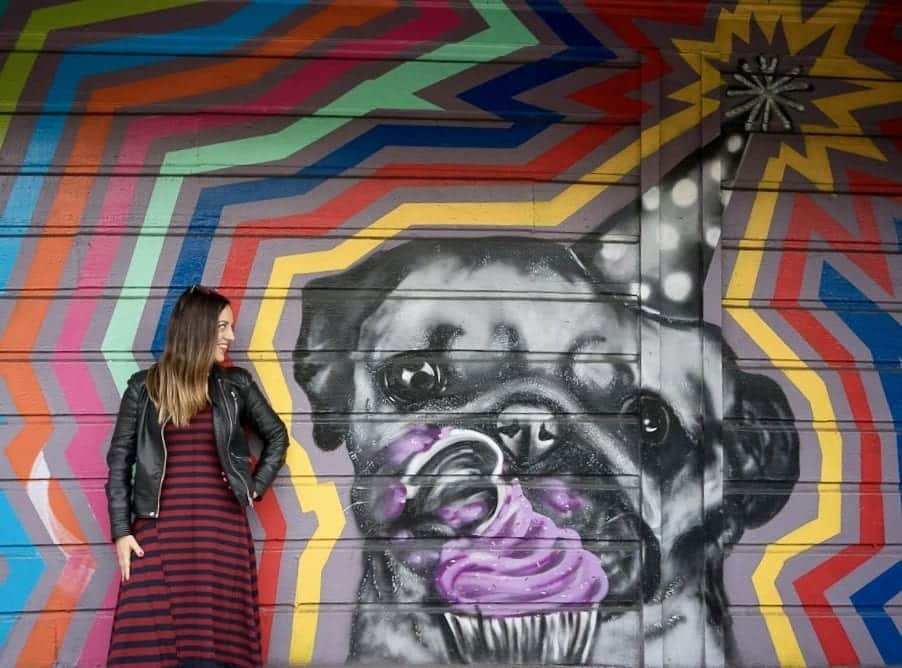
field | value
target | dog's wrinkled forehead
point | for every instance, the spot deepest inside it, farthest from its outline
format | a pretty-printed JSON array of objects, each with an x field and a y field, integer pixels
[{"x": 498, "y": 305}]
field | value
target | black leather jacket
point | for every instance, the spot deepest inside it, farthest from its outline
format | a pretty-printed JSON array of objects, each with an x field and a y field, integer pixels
[{"x": 137, "y": 440}]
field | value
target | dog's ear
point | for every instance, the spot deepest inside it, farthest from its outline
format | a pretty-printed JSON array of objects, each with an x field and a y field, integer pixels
[
  {"x": 322, "y": 365},
  {"x": 333, "y": 310},
  {"x": 762, "y": 451}
]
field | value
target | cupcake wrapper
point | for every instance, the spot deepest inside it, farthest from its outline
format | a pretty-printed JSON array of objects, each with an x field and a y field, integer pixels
[{"x": 555, "y": 637}]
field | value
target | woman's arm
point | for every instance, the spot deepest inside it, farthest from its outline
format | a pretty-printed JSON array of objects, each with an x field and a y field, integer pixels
[
  {"x": 271, "y": 429},
  {"x": 120, "y": 458}
]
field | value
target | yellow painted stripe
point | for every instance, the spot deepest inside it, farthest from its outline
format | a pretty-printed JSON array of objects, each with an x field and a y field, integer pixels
[
  {"x": 827, "y": 523},
  {"x": 837, "y": 19},
  {"x": 813, "y": 163},
  {"x": 319, "y": 498},
  {"x": 322, "y": 498},
  {"x": 41, "y": 22}
]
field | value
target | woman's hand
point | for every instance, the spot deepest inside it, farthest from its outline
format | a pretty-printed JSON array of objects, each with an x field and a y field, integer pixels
[{"x": 125, "y": 545}]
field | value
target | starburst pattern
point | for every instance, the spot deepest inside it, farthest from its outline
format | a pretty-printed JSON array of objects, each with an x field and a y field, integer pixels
[{"x": 768, "y": 92}]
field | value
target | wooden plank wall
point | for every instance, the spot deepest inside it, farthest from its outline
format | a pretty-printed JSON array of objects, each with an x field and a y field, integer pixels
[{"x": 626, "y": 275}]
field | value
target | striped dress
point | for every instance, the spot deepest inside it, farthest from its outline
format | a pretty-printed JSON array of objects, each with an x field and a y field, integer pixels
[{"x": 192, "y": 598}]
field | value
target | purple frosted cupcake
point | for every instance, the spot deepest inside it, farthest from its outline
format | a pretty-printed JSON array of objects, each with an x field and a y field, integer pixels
[{"x": 524, "y": 590}]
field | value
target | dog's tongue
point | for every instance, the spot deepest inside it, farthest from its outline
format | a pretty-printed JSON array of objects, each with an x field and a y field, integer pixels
[{"x": 522, "y": 563}]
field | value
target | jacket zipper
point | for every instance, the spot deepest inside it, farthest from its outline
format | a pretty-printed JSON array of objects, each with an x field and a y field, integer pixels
[
  {"x": 165, "y": 457},
  {"x": 247, "y": 492}
]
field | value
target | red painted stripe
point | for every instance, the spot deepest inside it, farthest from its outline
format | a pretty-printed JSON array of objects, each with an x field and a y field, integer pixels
[
  {"x": 807, "y": 218},
  {"x": 881, "y": 36},
  {"x": 321, "y": 220}
]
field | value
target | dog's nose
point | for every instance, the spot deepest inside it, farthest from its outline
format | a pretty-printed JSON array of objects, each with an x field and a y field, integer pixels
[{"x": 527, "y": 431}]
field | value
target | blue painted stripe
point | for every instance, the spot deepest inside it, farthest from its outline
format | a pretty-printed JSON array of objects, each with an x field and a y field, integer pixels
[
  {"x": 882, "y": 335},
  {"x": 24, "y": 566},
  {"x": 248, "y": 21},
  {"x": 870, "y": 602},
  {"x": 499, "y": 94},
  {"x": 496, "y": 96},
  {"x": 195, "y": 248}
]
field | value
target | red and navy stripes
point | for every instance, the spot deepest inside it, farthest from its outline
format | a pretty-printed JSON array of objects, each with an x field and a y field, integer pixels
[{"x": 192, "y": 599}]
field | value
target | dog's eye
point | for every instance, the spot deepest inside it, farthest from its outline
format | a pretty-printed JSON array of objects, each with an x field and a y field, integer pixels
[
  {"x": 412, "y": 378},
  {"x": 655, "y": 419},
  {"x": 654, "y": 416}
]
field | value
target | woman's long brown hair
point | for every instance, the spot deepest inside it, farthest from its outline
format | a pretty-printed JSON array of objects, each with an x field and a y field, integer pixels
[{"x": 177, "y": 384}]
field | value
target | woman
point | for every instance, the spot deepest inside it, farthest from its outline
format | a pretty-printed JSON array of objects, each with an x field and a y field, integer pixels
[{"x": 179, "y": 481}]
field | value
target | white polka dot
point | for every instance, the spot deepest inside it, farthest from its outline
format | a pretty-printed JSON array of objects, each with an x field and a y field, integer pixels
[
  {"x": 734, "y": 143},
  {"x": 677, "y": 286},
  {"x": 613, "y": 252},
  {"x": 712, "y": 236},
  {"x": 684, "y": 193},
  {"x": 668, "y": 237},
  {"x": 651, "y": 200},
  {"x": 715, "y": 170},
  {"x": 725, "y": 196},
  {"x": 644, "y": 291}
]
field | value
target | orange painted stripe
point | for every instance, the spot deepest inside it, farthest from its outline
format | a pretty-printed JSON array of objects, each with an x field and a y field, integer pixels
[
  {"x": 25, "y": 323},
  {"x": 51, "y": 253},
  {"x": 237, "y": 72}
]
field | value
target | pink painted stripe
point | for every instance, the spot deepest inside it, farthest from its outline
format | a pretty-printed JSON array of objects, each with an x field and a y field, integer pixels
[
  {"x": 440, "y": 18},
  {"x": 85, "y": 452}
]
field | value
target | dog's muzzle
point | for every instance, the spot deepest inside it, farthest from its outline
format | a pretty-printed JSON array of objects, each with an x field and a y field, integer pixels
[
  {"x": 455, "y": 498},
  {"x": 441, "y": 483},
  {"x": 457, "y": 481}
]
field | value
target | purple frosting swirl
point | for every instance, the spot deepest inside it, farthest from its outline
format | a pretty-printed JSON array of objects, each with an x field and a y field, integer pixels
[
  {"x": 413, "y": 440},
  {"x": 521, "y": 564}
]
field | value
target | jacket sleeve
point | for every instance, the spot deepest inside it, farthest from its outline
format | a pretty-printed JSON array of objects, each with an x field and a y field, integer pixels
[
  {"x": 120, "y": 458},
  {"x": 273, "y": 432}
]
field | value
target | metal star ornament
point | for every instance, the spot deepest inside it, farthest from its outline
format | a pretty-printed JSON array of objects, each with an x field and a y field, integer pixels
[{"x": 768, "y": 91}]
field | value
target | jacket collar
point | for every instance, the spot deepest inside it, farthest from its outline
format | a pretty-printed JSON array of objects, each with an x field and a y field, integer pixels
[{"x": 214, "y": 387}]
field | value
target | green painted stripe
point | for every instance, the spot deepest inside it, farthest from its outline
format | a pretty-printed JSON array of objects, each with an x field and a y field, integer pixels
[
  {"x": 120, "y": 336},
  {"x": 18, "y": 65},
  {"x": 395, "y": 90}
]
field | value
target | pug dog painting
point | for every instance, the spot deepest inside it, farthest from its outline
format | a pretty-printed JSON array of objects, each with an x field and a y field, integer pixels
[{"x": 525, "y": 495}]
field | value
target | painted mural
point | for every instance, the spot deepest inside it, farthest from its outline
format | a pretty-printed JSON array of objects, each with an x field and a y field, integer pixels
[{"x": 583, "y": 318}]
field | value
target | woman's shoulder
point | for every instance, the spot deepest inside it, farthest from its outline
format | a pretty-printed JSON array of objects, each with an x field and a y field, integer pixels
[
  {"x": 138, "y": 378},
  {"x": 136, "y": 386},
  {"x": 236, "y": 374}
]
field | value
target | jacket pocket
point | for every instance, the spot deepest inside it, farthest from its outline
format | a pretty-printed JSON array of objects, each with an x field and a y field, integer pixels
[{"x": 242, "y": 463}]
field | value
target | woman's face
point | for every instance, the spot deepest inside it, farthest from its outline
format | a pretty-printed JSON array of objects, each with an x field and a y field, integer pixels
[{"x": 224, "y": 333}]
